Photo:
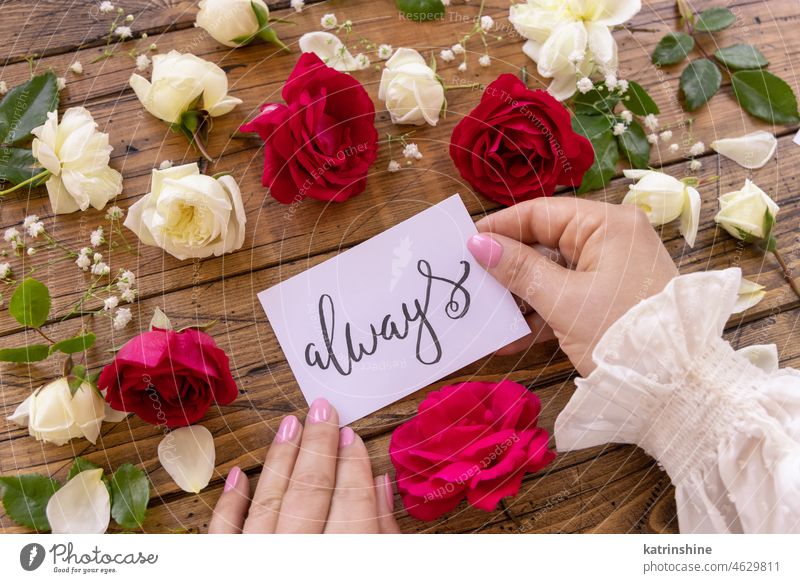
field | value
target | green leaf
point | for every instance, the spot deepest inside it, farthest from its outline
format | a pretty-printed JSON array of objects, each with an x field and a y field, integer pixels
[
  {"x": 714, "y": 19},
  {"x": 30, "y": 353},
  {"x": 81, "y": 465},
  {"x": 17, "y": 165},
  {"x": 160, "y": 320},
  {"x": 673, "y": 48},
  {"x": 25, "y": 499},
  {"x": 606, "y": 155},
  {"x": 700, "y": 80},
  {"x": 30, "y": 303},
  {"x": 25, "y": 107},
  {"x": 262, "y": 15},
  {"x": 765, "y": 96},
  {"x": 591, "y": 126},
  {"x": 769, "y": 243},
  {"x": 130, "y": 493},
  {"x": 75, "y": 344},
  {"x": 421, "y": 10},
  {"x": 639, "y": 101},
  {"x": 75, "y": 378},
  {"x": 596, "y": 102},
  {"x": 634, "y": 146},
  {"x": 741, "y": 56},
  {"x": 270, "y": 36}
]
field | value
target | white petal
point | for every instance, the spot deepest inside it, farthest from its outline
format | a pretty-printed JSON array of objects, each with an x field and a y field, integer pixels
[
  {"x": 188, "y": 456},
  {"x": 764, "y": 356},
  {"x": 329, "y": 49},
  {"x": 635, "y": 173},
  {"x": 567, "y": 39},
  {"x": 690, "y": 217},
  {"x": 562, "y": 86},
  {"x": 751, "y": 151},
  {"x": 21, "y": 413},
  {"x": 613, "y": 12},
  {"x": 82, "y": 506},
  {"x": 750, "y": 293},
  {"x": 602, "y": 45},
  {"x": 532, "y": 49},
  {"x": 112, "y": 415}
]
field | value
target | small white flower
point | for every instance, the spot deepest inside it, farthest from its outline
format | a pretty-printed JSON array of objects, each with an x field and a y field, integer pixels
[
  {"x": 585, "y": 85},
  {"x": 298, "y": 5},
  {"x": 110, "y": 303},
  {"x": 462, "y": 67},
  {"x": 487, "y": 22},
  {"x": 129, "y": 18},
  {"x": 5, "y": 270},
  {"x": 121, "y": 318},
  {"x": 412, "y": 151},
  {"x": 485, "y": 61},
  {"x": 35, "y": 229},
  {"x": 622, "y": 85},
  {"x": 673, "y": 148},
  {"x": 652, "y": 138},
  {"x": 626, "y": 116},
  {"x": 447, "y": 55},
  {"x": 29, "y": 220},
  {"x": 651, "y": 122},
  {"x": 695, "y": 165},
  {"x": 3, "y": 88},
  {"x": 142, "y": 62},
  {"x": 76, "y": 67},
  {"x": 666, "y": 135},
  {"x": 165, "y": 165},
  {"x": 10, "y": 234},
  {"x": 114, "y": 213},
  {"x": 697, "y": 149},
  {"x": 611, "y": 81},
  {"x": 31, "y": 251},
  {"x": 129, "y": 295},
  {"x": 153, "y": 47},
  {"x": 123, "y": 32},
  {"x": 106, "y": 7},
  {"x": 328, "y": 21},
  {"x": 61, "y": 82},
  {"x": 394, "y": 166},
  {"x": 385, "y": 51},
  {"x": 458, "y": 49},
  {"x": 619, "y": 129},
  {"x": 144, "y": 36},
  {"x": 97, "y": 257},
  {"x": 127, "y": 277},
  {"x": 100, "y": 268},
  {"x": 362, "y": 61},
  {"x": 83, "y": 261},
  {"x": 97, "y": 237}
]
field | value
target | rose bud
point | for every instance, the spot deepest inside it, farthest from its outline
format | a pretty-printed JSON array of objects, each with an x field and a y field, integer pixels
[
  {"x": 747, "y": 213},
  {"x": 412, "y": 93},
  {"x": 235, "y": 23}
]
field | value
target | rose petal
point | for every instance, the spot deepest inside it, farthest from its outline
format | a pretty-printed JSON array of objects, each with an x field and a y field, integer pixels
[
  {"x": 751, "y": 151},
  {"x": 750, "y": 293},
  {"x": 82, "y": 506},
  {"x": 188, "y": 456},
  {"x": 690, "y": 216}
]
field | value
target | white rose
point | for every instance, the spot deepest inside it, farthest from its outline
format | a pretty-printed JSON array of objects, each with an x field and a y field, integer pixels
[
  {"x": 329, "y": 49},
  {"x": 743, "y": 213},
  {"x": 226, "y": 20},
  {"x": 536, "y": 19},
  {"x": 412, "y": 93},
  {"x": 54, "y": 415},
  {"x": 664, "y": 199},
  {"x": 178, "y": 80},
  {"x": 77, "y": 156},
  {"x": 189, "y": 214}
]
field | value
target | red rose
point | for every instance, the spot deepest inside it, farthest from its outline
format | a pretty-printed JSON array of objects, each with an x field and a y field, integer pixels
[
  {"x": 519, "y": 144},
  {"x": 322, "y": 142},
  {"x": 168, "y": 378},
  {"x": 470, "y": 440}
]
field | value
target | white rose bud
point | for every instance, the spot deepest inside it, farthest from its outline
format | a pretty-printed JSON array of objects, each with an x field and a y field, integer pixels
[
  {"x": 178, "y": 80},
  {"x": 746, "y": 213},
  {"x": 77, "y": 156},
  {"x": 189, "y": 214},
  {"x": 664, "y": 199},
  {"x": 412, "y": 93},
  {"x": 53, "y": 414},
  {"x": 226, "y": 20}
]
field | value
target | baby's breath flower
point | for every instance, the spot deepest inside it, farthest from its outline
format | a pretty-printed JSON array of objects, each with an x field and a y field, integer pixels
[
  {"x": 651, "y": 122},
  {"x": 485, "y": 61},
  {"x": 129, "y": 18},
  {"x": 362, "y": 61},
  {"x": 462, "y": 67},
  {"x": 626, "y": 116},
  {"x": 110, "y": 303},
  {"x": 128, "y": 295},
  {"x": 97, "y": 257},
  {"x": 394, "y": 166},
  {"x": 123, "y": 32},
  {"x": 585, "y": 85},
  {"x": 458, "y": 49},
  {"x": 695, "y": 165},
  {"x": 666, "y": 135},
  {"x": 385, "y": 51},
  {"x": 29, "y": 220},
  {"x": 5, "y": 270},
  {"x": 652, "y": 138},
  {"x": 144, "y": 36},
  {"x": 697, "y": 149},
  {"x": 611, "y": 81},
  {"x": 61, "y": 82},
  {"x": 447, "y": 55},
  {"x": 97, "y": 237},
  {"x": 35, "y": 229},
  {"x": 106, "y": 7},
  {"x": 297, "y": 5},
  {"x": 412, "y": 151},
  {"x": 31, "y": 251},
  {"x": 619, "y": 129},
  {"x": 622, "y": 85},
  {"x": 153, "y": 47},
  {"x": 487, "y": 22},
  {"x": 3, "y": 88},
  {"x": 10, "y": 234},
  {"x": 83, "y": 261},
  {"x": 76, "y": 67},
  {"x": 142, "y": 62},
  {"x": 166, "y": 164},
  {"x": 328, "y": 21},
  {"x": 100, "y": 268},
  {"x": 114, "y": 213},
  {"x": 127, "y": 277},
  {"x": 121, "y": 318},
  {"x": 673, "y": 148}
]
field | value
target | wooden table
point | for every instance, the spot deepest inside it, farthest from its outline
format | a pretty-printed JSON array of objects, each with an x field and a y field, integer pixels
[{"x": 615, "y": 488}]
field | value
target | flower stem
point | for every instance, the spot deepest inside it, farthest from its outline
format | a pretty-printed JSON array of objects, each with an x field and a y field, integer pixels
[
  {"x": 787, "y": 273},
  {"x": 41, "y": 176}
]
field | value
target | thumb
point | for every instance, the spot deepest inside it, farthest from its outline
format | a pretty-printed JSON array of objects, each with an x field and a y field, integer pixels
[{"x": 526, "y": 272}]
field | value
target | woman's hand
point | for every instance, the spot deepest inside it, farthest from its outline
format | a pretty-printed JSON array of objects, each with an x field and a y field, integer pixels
[
  {"x": 316, "y": 479},
  {"x": 609, "y": 259}
]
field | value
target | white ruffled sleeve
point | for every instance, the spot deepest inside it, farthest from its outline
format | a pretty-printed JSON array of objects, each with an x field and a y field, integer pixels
[{"x": 724, "y": 424}]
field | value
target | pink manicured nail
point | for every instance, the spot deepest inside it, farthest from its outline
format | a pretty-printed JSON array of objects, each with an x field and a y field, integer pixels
[
  {"x": 346, "y": 437},
  {"x": 320, "y": 411},
  {"x": 485, "y": 249},
  {"x": 287, "y": 430},
  {"x": 232, "y": 479},
  {"x": 388, "y": 490}
]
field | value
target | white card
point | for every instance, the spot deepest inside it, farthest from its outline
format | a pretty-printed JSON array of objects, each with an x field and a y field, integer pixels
[{"x": 393, "y": 314}]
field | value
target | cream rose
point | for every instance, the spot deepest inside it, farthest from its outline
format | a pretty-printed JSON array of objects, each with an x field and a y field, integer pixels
[
  {"x": 177, "y": 82},
  {"x": 189, "y": 214},
  {"x": 745, "y": 213},
  {"x": 77, "y": 157},
  {"x": 226, "y": 20},
  {"x": 329, "y": 49},
  {"x": 412, "y": 93},
  {"x": 53, "y": 414}
]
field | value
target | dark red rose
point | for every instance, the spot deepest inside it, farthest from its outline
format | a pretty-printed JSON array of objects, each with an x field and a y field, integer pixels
[
  {"x": 519, "y": 144},
  {"x": 168, "y": 378},
  {"x": 322, "y": 142},
  {"x": 471, "y": 440}
]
